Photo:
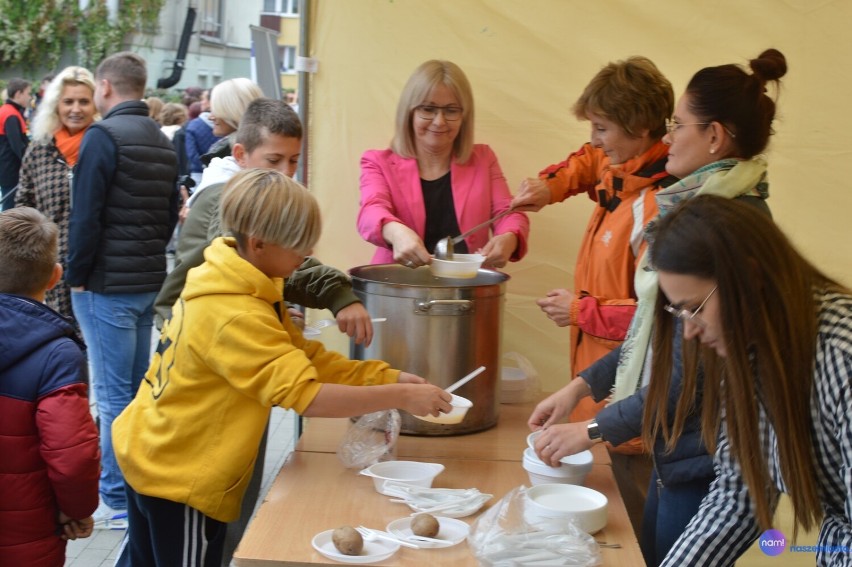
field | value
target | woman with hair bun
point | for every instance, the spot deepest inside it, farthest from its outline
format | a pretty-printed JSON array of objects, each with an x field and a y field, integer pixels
[
  {"x": 721, "y": 125},
  {"x": 774, "y": 336}
]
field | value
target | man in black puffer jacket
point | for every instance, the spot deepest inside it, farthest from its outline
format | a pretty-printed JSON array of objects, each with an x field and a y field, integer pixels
[{"x": 124, "y": 208}]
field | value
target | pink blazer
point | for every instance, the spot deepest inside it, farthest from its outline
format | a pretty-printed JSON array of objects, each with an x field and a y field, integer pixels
[{"x": 391, "y": 191}]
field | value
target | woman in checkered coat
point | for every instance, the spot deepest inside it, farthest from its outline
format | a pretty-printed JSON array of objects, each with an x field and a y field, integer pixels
[
  {"x": 66, "y": 111},
  {"x": 775, "y": 337}
]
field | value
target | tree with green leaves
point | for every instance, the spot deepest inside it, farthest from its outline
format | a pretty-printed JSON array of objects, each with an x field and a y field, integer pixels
[{"x": 35, "y": 33}]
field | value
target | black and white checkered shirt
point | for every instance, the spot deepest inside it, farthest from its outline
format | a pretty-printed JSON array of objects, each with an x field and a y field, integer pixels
[{"x": 725, "y": 525}]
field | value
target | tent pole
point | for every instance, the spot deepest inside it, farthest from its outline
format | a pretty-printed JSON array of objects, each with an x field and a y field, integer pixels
[{"x": 304, "y": 89}]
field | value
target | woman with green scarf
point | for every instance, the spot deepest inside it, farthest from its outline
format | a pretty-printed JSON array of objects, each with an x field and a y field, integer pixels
[{"x": 721, "y": 125}]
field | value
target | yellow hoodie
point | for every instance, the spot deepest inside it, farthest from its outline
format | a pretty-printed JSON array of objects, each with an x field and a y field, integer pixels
[{"x": 192, "y": 432}]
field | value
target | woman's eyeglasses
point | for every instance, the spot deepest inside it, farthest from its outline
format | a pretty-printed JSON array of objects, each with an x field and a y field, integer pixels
[
  {"x": 686, "y": 314},
  {"x": 430, "y": 112},
  {"x": 673, "y": 126}
]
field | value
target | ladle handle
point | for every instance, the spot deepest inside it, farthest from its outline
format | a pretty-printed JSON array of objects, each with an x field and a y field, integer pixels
[{"x": 460, "y": 237}]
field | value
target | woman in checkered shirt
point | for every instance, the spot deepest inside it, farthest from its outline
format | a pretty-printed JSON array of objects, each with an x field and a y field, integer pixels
[{"x": 775, "y": 337}]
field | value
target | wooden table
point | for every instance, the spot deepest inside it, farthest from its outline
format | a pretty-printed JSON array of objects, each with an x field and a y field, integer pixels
[
  {"x": 504, "y": 442},
  {"x": 313, "y": 492}
]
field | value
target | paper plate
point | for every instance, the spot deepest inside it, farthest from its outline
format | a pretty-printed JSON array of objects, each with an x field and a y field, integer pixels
[
  {"x": 373, "y": 551},
  {"x": 451, "y": 531}
]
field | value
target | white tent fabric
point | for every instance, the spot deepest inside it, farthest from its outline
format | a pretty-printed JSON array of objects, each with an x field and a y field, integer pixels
[{"x": 528, "y": 61}]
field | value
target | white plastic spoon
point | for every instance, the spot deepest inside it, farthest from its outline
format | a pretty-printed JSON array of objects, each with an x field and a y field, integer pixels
[{"x": 458, "y": 384}]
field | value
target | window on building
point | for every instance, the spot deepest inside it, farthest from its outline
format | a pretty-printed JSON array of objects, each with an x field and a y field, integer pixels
[
  {"x": 285, "y": 7},
  {"x": 288, "y": 59},
  {"x": 211, "y": 18}
]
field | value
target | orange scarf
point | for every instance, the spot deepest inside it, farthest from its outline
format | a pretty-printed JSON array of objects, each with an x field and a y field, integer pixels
[{"x": 69, "y": 145}]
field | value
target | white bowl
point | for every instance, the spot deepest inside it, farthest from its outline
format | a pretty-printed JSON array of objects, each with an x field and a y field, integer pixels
[
  {"x": 553, "y": 505},
  {"x": 412, "y": 473},
  {"x": 455, "y": 415},
  {"x": 581, "y": 462},
  {"x": 461, "y": 266},
  {"x": 541, "y": 473}
]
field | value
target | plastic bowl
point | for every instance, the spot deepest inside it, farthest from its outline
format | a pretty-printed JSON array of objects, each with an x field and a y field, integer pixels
[
  {"x": 413, "y": 473},
  {"x": 582, "y": 461},
  {"x": 461, "y": 266},
  {"x": 553, "y": 505},
  {"x": 541, "y": 473},
  {"x": 456, "y": 415}
]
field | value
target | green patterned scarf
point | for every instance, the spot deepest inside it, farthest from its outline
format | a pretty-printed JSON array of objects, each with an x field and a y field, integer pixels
[{"x": 729, "y": 178}]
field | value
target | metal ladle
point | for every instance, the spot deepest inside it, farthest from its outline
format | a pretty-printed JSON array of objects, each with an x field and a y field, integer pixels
[{"x": 444, "y": 247}]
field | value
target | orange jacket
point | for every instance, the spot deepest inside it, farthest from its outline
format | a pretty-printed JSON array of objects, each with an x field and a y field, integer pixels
[{"x": 612, "y": 244}]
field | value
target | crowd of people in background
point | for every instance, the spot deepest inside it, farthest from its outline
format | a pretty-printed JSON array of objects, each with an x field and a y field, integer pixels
[{"x": 682, "y": 289}]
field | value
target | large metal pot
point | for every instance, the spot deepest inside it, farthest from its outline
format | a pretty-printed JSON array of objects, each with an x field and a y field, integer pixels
[{"x": 438, "y": 328}]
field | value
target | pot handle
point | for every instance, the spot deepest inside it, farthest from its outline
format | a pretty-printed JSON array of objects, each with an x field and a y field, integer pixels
[{"x": 444, "y": 306}]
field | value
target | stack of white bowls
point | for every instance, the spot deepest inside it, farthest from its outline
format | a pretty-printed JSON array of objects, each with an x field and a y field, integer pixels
[
  {"x": 572, "y": 470},
  {"x": 513, "y": 385}
]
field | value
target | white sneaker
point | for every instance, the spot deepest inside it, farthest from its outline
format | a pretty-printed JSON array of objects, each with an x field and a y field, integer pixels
[{"x": 107, "y": 518}]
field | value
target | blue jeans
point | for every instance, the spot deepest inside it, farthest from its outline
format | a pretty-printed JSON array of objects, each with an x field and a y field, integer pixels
[
  {"x": 117, "y": 331},
  {"x": 668, "y": 509}
]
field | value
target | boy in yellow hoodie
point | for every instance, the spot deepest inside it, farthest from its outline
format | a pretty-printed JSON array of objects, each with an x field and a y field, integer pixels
[{"x": 188, "y": 441}]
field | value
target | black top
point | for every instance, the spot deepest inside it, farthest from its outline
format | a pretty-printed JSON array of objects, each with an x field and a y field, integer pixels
[
  {"x": 440, "y": 213},
  {"x": 123, "y": 204}
]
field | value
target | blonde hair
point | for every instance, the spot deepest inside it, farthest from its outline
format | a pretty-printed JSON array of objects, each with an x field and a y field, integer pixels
[
  {"x": 425, "y": 78},
  {"x": 46, "y": 121},
  {"x": 268, "y": 205},
  {"x": 28, "y": 251},
  {"x": 229, "y": 99}
]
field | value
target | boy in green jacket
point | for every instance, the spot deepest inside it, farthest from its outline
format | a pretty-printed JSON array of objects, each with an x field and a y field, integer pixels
[{"x": 269, "y": 137}]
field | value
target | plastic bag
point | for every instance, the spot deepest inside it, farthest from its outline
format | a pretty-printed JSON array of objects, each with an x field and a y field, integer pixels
[
  {"x": 370, "y": 439},
  {"x": 502, "y": 537},
  {"x": 519, "y": 380}
]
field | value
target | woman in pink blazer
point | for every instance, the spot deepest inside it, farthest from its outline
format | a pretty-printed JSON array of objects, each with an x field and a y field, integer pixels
[{"x": 434, "y": 181}]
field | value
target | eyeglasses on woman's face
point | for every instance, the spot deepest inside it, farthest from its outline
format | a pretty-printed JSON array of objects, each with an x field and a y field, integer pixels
[
  {"x": 689, "y": 315},
  {"x": 430, "y": 112},
  {"x": 673, "y": 126}
]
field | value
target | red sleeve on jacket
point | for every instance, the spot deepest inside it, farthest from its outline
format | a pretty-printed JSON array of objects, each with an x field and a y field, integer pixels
[
  {"x": 608, "y": 319},
  {"x": 69, "y": 447}
]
